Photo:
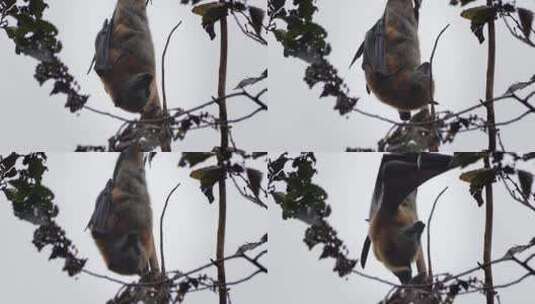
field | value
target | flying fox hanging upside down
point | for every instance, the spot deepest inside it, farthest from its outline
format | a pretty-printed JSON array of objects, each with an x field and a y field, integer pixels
[
  {"x": 121, "y": 224},
  {"x": 395, "y": 230},
  {"x": 391, "y": 59},
  {"x": 124, "y": 59}
]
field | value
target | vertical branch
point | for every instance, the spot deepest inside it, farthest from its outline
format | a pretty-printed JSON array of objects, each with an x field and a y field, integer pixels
[
  {"x": 487, "y": 249},
  {"x": 491, "y": 66},
  {"x": 430, "y": 271},
  {"x": 489, "y": 206},
  {"x": 222, "y": 157}
]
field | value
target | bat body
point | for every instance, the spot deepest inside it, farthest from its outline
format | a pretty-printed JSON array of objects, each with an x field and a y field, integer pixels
[
  {"x": 395, "y": 230},
  {"x": 125, "y": 61},
  {"x": 391, "y": 60},
  {"x": 121, "y": 224}
]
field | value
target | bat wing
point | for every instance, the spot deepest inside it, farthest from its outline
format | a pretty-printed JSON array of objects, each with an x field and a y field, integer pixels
[
  {"x": 102, "y": 47},
  {"x": 378, "y": 191},
  {"x": 99, "y": 219},
  {"x": 378, "y": 198},
  {"x": 373, "y": 48},
  {"x": 401, "y": 174}
]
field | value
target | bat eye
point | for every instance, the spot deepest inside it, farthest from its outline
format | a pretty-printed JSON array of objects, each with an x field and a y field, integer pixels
[{"x": 424, "y": 133}]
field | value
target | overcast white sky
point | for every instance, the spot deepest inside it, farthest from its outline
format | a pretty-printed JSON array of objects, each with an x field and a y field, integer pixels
[
  {"x": 459, "y": 69},
  {"x": 456, "y": 239},
  {"x": 191, "y": 79},
  {"x": 190, "y": 232}
]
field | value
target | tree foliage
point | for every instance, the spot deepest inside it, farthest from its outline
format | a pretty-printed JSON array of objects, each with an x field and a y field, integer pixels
[{"x": 21, "y": 182}]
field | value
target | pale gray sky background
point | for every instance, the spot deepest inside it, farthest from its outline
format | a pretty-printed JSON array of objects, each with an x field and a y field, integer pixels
[
  {"x": 190, "y": 233},
  {"x": 36, "y": 121},
  {"x": 456, "y": 238},
  {"x": 303, "y": 122}
]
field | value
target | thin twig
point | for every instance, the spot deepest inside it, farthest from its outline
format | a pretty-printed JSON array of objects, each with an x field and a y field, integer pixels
[
  {"x": 434, "y": 147},
  {"x": 430, "y": 269},
  {"x": 524, "y": 201},
  {"x": 108, "y": 114},
  {"x": 163, "y": 64},
  {"x": 162, "y": 216},
  {"x": 165, "y": 135}
]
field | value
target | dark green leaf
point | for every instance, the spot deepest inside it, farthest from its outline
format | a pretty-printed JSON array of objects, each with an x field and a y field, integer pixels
[
  {"x": 208, "y": 176},
  {"x": 526, "y": 182},
  {"x": 194, "y": 158},
  {"x": 255, "y": 179},
  {"x": 257, "y": 18},
  {"x": 464, "y": 159},
  {"x": 526, "y": 21},
  {"x": 251, "y": 80}
]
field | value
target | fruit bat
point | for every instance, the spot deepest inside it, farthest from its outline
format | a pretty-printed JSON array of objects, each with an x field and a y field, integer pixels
[
  {"x": 395, "y": 231},
  {"x": 121, "y": 224},
  {"x": 125, "y": 60},
  {"x": 391, "y": 59}
]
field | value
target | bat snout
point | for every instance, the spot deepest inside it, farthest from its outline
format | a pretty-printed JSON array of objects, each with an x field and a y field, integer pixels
[{"x": 418, "y": 227}]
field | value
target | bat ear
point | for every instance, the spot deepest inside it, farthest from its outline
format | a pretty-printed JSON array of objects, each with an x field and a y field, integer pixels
[
  {"x": 414, "y": 232},
  {"x": 416, "y": 228}
]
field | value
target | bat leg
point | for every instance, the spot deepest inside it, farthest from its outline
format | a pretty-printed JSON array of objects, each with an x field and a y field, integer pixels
[
  {"x": 368, "y": 89},
  {"x": 405, "y": 115}
]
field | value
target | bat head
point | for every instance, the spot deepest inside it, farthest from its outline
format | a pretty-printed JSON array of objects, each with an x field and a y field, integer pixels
[
  {"x": 414, "y": 232},
  {"x": 135, "y": 93},
  {"x": 126, "y": 255}
]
